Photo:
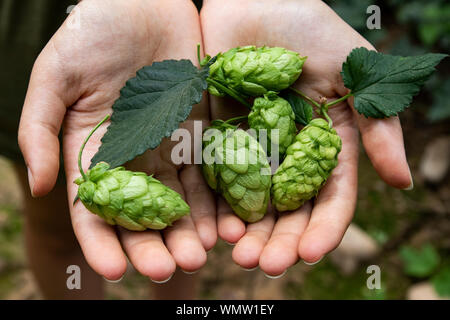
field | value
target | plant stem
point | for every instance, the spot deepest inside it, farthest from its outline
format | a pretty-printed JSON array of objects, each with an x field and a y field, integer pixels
[
  {"x": 304, "y": 96},
  {"x": 332, "y": 103},
  {"x": 230, "y": 92},
  {"x": 323, "y": 107},
  {"x": 84, "y": 144},
  {"x": 236, "y": 119},
  {"x": 324, "y": 112},
  {"x": 198, "y": 55}
]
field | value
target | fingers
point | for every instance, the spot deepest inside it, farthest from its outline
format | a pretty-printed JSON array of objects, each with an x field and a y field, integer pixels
[
  {"x": 40, "y": 123},
  {"x": 148, "y": 254},
  {"x": 247, "y": 251},
  {"x": 202, "y": 203},
  {"x": 182, "y": 239},
  {"x": 229, "y": 226},
  {"x": 185, "y": 245},
  {"x": 335, "y": 204},
  {"x": 99, "y": 243},
  {"x": 98, "y": 240},
  {"x": 281, "y": 252},
  {"x": 383, "y": 142}
]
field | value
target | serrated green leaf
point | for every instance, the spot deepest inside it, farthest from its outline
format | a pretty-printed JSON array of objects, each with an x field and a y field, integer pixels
[
  {"x": 150, "y": 107},
  {"x": 441, "y": 282},
  {"x": 303, "y": 110},
  {"x": 384, "y": 85},
  {"x": 420, "y": 262}
]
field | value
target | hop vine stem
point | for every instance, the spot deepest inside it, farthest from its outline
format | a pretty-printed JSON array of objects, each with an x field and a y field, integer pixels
[
  {"x": 343, "y": 98},
  {"x": 207, "y": 59},
  {"x": 322, "y": 108},
  {"x": 198, "y": 55},
  {"x": 230, "y": 92},
  {"x": 304, "y": 96},
  {"x": 236, "y": 119},
  {"x": 83, "y": 174},
  {"x": 324, "y": 112}
]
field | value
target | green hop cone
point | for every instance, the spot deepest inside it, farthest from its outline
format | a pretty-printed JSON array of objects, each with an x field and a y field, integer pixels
[
  {"x": 238, "y": 169},
  {"x": 253, "y": 71},
  {"x": 272, "y": 112},
  {"x": 132, "y": 200},
  {"x": 308, "y": 164}
]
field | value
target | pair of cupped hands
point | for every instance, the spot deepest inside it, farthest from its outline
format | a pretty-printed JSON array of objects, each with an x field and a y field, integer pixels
[{"x": 79, "y": 74}]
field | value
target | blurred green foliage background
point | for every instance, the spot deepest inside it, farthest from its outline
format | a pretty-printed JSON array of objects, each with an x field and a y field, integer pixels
[{"x": 408, "y": 28}]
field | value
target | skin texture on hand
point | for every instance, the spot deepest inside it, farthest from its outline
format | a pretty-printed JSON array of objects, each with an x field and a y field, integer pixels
[
  {"x": 311, "y": 28},
  {"x": 74, "y": 83}
]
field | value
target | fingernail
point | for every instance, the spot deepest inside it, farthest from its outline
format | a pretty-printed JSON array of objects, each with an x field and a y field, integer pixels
[
  {"x": 313, "y": 263},
  {"x": 189, "y": 272},
  {"x": 229, "y": 243},
  {"x": 31, "y": 181},
  {"x": 275, "y": 277},
  {"x": 250, "y": 269},
  {"x": 114, "y": 281},
  {"x": 411, "y": 185},
  {"x": 163, "y": 281}
]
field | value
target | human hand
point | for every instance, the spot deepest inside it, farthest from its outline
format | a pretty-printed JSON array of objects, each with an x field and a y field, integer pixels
[
  {"x": 311, "y": 28},
  {"x": 74, "y": 83}
]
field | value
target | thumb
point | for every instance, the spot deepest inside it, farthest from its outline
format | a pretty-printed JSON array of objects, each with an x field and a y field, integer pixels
[
  {"x": 383, "y": 142},
  {"x": 40, "y": 123}
]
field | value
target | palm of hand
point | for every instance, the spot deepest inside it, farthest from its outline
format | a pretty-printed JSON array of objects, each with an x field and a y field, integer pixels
[
  {"x": 78, "y": 71},
  {"x": 313, "y": 30},
  {"x": 85, "y": 68}
]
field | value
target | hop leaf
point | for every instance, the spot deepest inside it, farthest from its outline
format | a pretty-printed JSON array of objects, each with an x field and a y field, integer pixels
[
  {"x": 384, "y": 85},
  {"x": 150, "y": 107},
  {"x": 303, "y": 111}
]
